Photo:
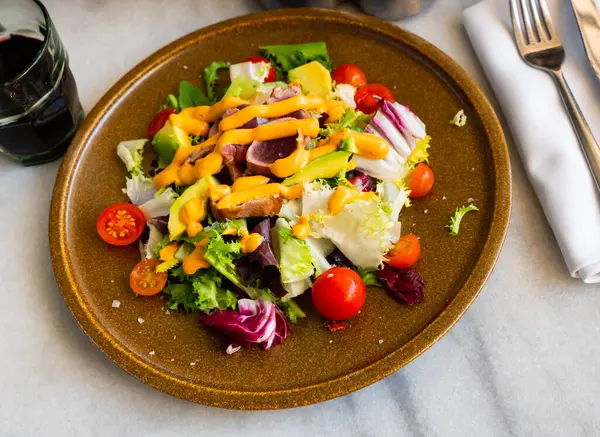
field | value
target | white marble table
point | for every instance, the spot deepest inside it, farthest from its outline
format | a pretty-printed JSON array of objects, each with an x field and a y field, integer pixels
[{"x": 523, "y": 361}]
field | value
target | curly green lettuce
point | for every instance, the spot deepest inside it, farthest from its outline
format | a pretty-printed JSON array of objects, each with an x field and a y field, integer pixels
[
  {"x": 291, "y": 310},
  {"x": 203, "y": 291},
  {"x": 369, "y": 276},
  {"x": 221, "y": 255},
  {"x": 354, "y": 120},
  {"x": 211, "y": 79},
  {"x": 459, "y": 214},
  {"x": 210, "y": 292},
  {"x": 419, "y": 154},
  {"x": 288, "y": 57}
]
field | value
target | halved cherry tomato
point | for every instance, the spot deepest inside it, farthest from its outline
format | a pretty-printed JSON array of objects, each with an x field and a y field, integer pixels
[
  {"x": 339, "y": 293},
  {"x": 144, "y": 279},
  {"x": 272, "y": 73},
  {"x": 367, "y": 97},
  {"x": 421, "y": 180},
  {"x": 159, "y": 121},
  {"x": 350, "y": 74},
  {"x": 121, "y": 224},
  {"x": 405, "y": 253}
]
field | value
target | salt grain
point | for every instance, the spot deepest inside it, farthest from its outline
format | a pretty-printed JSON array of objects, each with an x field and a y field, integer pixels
[
  {"x": 116, "y": 303},
  {"x": 380, "y": 341},
  {"x": 443, "y": 197},
  {"x": 112, "y": 280},
  {"x": 151, "y": 353},
  {"x": 167, "y": 312},
  {"x": 425, "y": 211},
  {"x": 140, "y": 320},
  {"x": 185, "y": 67},
  {"x": 330, "y": 341},
  {"x": 172, "y": 359},
  {"x": 192, "y": 364}
]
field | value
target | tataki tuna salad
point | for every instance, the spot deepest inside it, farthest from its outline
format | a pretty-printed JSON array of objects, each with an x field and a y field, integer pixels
[{"x": 288, "y": 178}]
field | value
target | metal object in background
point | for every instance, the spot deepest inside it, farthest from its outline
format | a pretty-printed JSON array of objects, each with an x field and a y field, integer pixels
[
  {"x": 540, "y": 46},
  {"x": 279, "y": 4},
  {"x": 393, "y": 10},
  {"x": 588, "y": 20},
  {"x": 390, "y": 10}
]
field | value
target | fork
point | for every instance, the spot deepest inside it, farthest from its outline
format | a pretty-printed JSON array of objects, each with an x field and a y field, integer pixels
[{"x": 540, "y": 46}]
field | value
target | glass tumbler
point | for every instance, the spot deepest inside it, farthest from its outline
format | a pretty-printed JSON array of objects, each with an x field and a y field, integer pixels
[{"x": 39, "y": 104}]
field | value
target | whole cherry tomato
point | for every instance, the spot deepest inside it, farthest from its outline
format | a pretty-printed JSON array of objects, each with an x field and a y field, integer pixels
[
  {"x": 350, "y": 74},
  {"x": 421, "y": 180},
  {"x": 339, "y": 293}
]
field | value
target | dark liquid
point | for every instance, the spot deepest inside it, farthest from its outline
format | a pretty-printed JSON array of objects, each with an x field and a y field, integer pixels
[{"x": 44, "y": 133}]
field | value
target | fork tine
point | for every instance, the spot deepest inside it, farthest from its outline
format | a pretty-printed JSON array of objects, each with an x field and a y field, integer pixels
[
  {"x": 538, "y": 23},
  {"x": 517, "y": 24},
  {"x": 527, "y": 20},
  {"x": 548, "y": 19}
]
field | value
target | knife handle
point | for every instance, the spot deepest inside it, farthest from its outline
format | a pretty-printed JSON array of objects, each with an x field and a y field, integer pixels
[{"x": 582, "y": 129}]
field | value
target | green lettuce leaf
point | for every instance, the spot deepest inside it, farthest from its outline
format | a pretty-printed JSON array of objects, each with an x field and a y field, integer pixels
[
  {"x": 221, "y": 256},
  {"x": 295, "y": 258},
  {"x": 362, "y": 231},
  {"x": 458, "y": 216},
  {"x": 369, "y": 277},
  {"x": 182, "y": 296},
  {"x": 291, "y": 310},
  {"x": 211, "y": 78},
  {"x": 191, "y": 96},
  {"x": 202, "y": 291},
  {"x": 171, "y": 102},
  {"x": 210, "y": 292},
  {"x": 354, "y": 120},
  {"x": 132, "y": 155},
  {"x": 288, "y": 57},
  {"x": 419, "y": 154},
  {"x": 160, "y": 245}
]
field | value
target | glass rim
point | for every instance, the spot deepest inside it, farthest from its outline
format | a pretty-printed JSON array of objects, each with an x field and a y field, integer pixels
[{"x": 40, "y": 51}]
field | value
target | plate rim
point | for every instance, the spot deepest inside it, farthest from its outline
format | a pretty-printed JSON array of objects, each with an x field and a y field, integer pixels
[{"x": 161, "y": 379}]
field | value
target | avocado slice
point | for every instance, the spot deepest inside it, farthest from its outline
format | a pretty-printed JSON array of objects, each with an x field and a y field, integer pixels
[
  {"x": 326, "y": 166},
  {"x": 315, "y": 79},
  {"x": 198, "y": 190},
  {"x": 167, "y": 141}
]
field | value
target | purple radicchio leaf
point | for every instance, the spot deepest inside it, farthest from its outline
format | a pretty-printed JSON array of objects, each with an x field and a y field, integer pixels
[
  {"x": 337, "y": 258},
  {"x": 255, "y": 322},
  {"x": 264, "y": 253},
  {"x": 362, "y": 181},
  {"x": 402, "y": 284}
]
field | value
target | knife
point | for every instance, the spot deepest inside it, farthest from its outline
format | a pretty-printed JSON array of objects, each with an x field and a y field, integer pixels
[{"x": 588, "y": 20}]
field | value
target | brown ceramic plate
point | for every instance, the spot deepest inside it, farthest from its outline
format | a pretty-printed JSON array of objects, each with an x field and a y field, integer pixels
[{"x": 313, "y": 364}]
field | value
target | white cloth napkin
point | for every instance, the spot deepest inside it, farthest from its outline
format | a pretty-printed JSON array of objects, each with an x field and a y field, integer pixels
[{"x": 541, "y": 128}]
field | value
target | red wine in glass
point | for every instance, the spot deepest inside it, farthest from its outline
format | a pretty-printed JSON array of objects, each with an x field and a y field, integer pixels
[{"x": 39, "y": 103}]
